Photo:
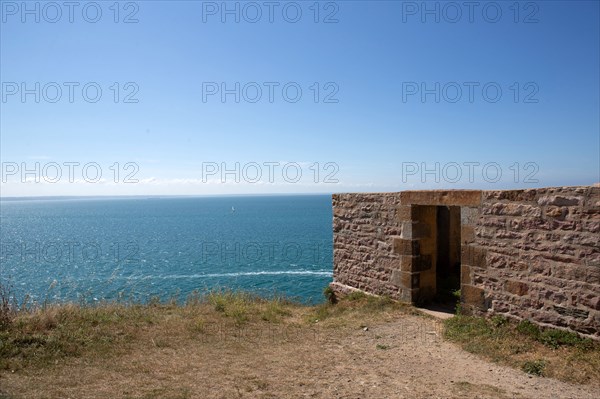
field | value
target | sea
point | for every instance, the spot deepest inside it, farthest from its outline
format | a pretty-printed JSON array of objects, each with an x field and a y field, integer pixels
[{"x": 141, "y": 248}]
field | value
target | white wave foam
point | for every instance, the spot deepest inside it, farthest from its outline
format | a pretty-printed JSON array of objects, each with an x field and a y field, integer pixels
[{"x": 237, "y": 274}]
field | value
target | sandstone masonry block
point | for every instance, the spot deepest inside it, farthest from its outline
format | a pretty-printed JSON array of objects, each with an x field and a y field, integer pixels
[
  {"x": 465, "y": 275},
  {"x": 468, "y": 215},
  {"x": 396, "y": 277},
  {"x": 473, "y": 296},
  {"x": 516, "y": 287},
  {"x": 560, "y": 200},
  {"x": 415, "y": 230},
  {"x": 410, "y": 280},
  {"x": 442, "y": 197},
  {"x": 406, "y": 247},
  {"x": 407, "y": 262},
  {"x": 473, "y": 256},
  {"x": 467, "y": 234},
  {"x": 573, "y": 312},
  {"x": 404, "y": 213}
]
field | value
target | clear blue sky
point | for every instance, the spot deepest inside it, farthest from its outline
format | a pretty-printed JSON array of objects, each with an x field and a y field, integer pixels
[{"x": 374, "y": 58}]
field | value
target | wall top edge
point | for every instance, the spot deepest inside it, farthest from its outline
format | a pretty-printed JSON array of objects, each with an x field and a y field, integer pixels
[{"x": 433, "y": 191}]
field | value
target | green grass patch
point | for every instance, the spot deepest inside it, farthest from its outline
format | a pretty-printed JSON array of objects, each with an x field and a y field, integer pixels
[
  {"x": 534, "y": 367},
  {"x": 553, "y": 338},
  {"x": 237, "y": 305},
  {"x": 275, "y": 310},
  {"x": 527, "y": 328},
  {"x": 557, "y": 338},
  {"x": 543, "y": 352}
]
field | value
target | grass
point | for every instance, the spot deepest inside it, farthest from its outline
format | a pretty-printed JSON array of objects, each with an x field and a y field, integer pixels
[
  {"x": 534, "y": 367},
  {"x": 236, "y": 305},
  {"x": 542, "y": 352},
  {"x": 356, "y": 307},
  {"x": 8, "y": 305},
  {"x": 44, "y": 336},
  {"x": 38, "y": 338},
  {"x": 241, "y": 306},
  {"x": 275, "y": 310}
]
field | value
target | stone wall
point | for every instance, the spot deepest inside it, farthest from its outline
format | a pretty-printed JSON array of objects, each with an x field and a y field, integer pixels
[
  {"x": 531, "y": 254},
  {"x": 535, "y": 254},
  {"x": 363, "y": 229}
]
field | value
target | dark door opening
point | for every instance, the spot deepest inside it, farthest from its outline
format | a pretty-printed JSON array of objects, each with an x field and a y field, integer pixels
[{"x": 448, "y": 254}]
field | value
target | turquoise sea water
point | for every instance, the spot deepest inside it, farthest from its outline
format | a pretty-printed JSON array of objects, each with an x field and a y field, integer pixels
[{"x": 100, "y": 249}]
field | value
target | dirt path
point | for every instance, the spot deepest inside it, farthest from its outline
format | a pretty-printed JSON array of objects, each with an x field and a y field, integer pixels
[{"x": 403, "y": 358}]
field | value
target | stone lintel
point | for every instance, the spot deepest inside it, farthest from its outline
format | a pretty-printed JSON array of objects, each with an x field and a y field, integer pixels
[{"x": 442, "y": 197}]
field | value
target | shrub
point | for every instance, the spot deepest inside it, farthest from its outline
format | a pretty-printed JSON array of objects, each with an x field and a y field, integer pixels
[
  {"x": 534, "y": 367},
  {"x": 498, "y": 321},
  {"x": 456, "y": 294},
  {"x": 329, "y": 294},
  {"x": 528, "y": 328},
  {"x": 555, "y": 338},
  {"x": 8, "y": 305}
]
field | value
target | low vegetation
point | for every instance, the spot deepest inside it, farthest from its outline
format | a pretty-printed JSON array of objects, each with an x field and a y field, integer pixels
[
  {"x": 33, "y": 338},
  {"x": 41, "y": 336},
  {"x": 356, "y": 308},
  {"x": 542, "y": 352}
]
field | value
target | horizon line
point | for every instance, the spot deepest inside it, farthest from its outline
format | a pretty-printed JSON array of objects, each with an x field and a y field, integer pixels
[
  {"x": 155, "y": 196},
  {"x": 58, "y": 197}
]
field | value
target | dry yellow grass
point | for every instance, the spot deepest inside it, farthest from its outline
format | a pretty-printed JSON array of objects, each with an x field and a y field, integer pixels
[{"x": 230, "y": 345}]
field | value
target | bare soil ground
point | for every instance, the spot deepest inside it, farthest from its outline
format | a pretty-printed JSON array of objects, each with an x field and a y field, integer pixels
[{"x": 389, "y": 354}]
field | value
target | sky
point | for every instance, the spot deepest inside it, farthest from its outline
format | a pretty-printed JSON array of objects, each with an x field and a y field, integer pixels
[{"x": 237, "y": 97}]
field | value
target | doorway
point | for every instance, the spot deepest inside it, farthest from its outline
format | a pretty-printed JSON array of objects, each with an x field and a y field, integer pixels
[
  {"x": 448, "y": 254},
  {"x": 439, "y": 249}
]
